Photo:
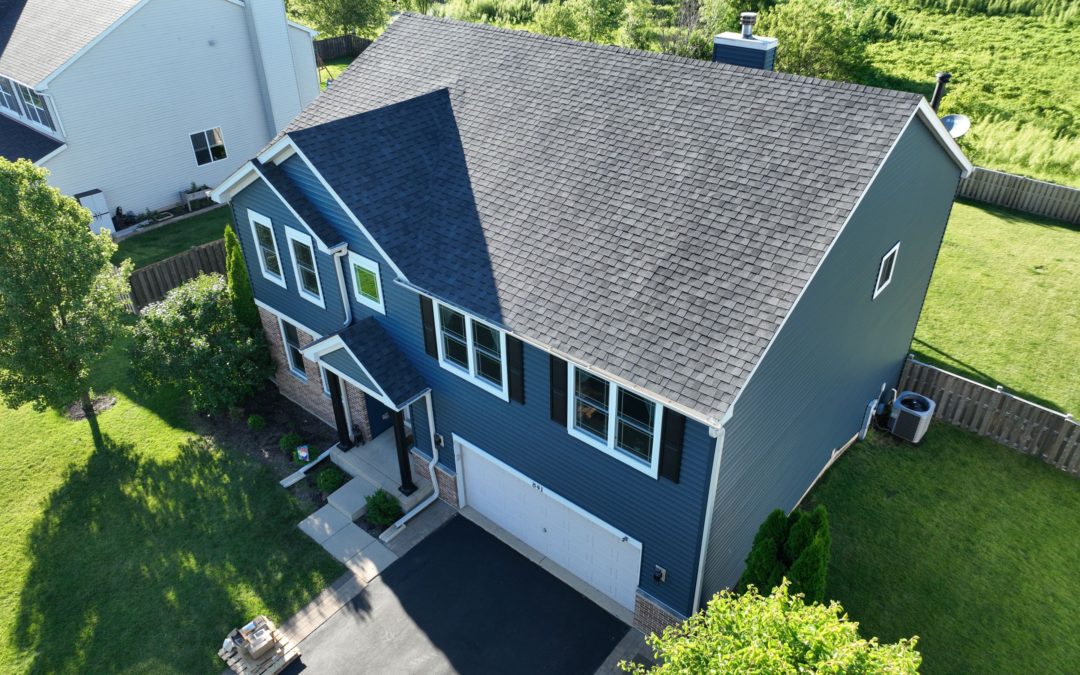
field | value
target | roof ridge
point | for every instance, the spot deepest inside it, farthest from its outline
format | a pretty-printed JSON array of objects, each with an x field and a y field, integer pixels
[{"x": 644, "y": 53}]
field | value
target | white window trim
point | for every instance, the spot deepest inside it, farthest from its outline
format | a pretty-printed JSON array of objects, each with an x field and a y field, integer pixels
[
  {"x": 357, "y": 260},
  {"x": 254, "y": 219},
  {"x": 296, "y": 235},
  {"x": 651, "y": 468},
  {"x": 471, "y": 374},
  {"x": 325, "y": 381},
  {"x": 224, "y": 146},
  {"x": 878, "y": 286},
  {"x": 300, "y": 374}
]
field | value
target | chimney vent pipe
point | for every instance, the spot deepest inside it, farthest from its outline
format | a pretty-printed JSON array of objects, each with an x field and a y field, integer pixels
[
  {"x": 939, "y": 89},
  {"x": 748, "y": 19}
]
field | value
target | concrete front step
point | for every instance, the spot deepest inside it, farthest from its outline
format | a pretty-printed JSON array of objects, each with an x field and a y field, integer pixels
[
  {"x": 351, "y": 498},
  {"x": 370, "y": 463}
]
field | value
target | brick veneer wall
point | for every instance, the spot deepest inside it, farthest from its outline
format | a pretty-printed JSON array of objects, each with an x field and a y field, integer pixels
[
  {"x": 447, "y": 480},
  {"x": 650, "y": 616},
  {"x": 309, "y": 395}
]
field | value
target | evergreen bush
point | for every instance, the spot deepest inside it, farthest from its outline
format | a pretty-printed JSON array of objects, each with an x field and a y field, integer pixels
[
  {"x": 382, "y": 508},
  {"x": 330, "y": 479}
]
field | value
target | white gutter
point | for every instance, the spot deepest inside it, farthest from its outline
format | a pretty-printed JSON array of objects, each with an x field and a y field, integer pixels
[
  {"x": 337, "y": 256},
  {"x": 395, "y": 529},
  {"x": 707, "y": 529}
]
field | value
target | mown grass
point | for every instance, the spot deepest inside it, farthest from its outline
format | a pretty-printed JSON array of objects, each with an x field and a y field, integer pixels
[
  {"x": 332, "y": 69},
  {"x": 168, "y": 240},
  {"x": 1003, "y": 307},
  {"x": 135, "y": 546},
  {"x": 965, "y": 543}
]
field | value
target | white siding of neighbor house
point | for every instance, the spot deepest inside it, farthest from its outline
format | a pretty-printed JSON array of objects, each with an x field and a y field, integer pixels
[
  {"x": 130, "y": 103},
  {"x": 307, "y": 72}
]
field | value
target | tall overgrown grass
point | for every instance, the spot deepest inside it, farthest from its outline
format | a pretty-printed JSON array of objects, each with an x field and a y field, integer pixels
[
  {"x": 1065, "y": 11},
  {"x": 1024, "y": 149}
]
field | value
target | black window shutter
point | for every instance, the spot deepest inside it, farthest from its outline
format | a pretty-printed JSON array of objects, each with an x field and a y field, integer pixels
[
  {"x": 515, "y": 369},
  {"x": 558, "y": 390},
  {"x": 427, "y": 316},
  {"x": 671, "y": 441}
]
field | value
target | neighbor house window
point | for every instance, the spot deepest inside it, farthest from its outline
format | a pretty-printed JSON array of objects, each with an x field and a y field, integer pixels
[
  {"x": 209, "y": 146},
  {"x": 614, "y": 419},
  {"x": 472, "y": 349},
  {"x": 885, "y": 271},
  {"x": 7, "y": 96},
  {"x": 35, "y": 107},
  {"x": 291, "y": 339},
  {"x": 367, "y": 287},
  {"x": 307, "y": 274},
  {"x": 262, "y": 230}
]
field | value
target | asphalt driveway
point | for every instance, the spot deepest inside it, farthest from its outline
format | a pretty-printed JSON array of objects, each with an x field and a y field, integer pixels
[{"x": 461, "y": 601}]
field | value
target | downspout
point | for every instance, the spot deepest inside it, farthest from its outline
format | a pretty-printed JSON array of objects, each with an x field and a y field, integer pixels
[
  {"x": 709, "y": 508},
  {"x": 337, "y": 256},
  {"x": 395, "y": 529}
]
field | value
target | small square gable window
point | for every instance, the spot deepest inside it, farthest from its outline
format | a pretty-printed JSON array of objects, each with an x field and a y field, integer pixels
[{"x": 885, "y": 270}]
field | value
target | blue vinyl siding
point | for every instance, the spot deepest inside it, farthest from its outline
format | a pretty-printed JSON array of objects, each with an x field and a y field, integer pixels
[
  {"x": 261, "y": 199},
  {"x": 666, "y": 518},
  {"x": 838, "y": 348},
  {"x": 744, "y": 56}
]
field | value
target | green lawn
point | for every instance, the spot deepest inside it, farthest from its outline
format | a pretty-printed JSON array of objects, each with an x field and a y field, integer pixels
[
  {"x": 1003, "y": 305},
  {"x": 967, "y": 544},
  {"x": 168, "y": 240},
  {"x": 335, "y": 66},
  {"x": 135, "y": 547}
]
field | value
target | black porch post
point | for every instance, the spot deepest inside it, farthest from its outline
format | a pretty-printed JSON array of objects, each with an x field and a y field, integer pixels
[
  {"x": 407, "y": 485},
  {"x": 338, "y": 403}
]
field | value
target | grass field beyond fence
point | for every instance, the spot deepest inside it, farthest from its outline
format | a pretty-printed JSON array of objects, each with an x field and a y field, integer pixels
[
  {"x": 965, "y": 543},
  {"x": 1004, "y": 305}
]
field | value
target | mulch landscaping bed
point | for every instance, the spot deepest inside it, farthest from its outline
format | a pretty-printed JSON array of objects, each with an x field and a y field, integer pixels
[{"x": 282, "y": 416}]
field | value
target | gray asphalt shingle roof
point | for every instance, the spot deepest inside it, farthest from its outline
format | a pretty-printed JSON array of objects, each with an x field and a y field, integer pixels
[
  {"x": 650, "y": 215},
  {"x": 20, "y": 141},
  {"x": 38, "y": 36}
]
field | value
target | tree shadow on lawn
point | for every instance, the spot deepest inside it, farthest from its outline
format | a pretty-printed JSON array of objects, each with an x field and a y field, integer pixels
[{"x": 146, "y": 565}]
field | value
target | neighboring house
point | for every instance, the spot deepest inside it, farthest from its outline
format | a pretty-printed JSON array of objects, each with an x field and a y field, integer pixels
[
  {"x": 644, "y": 300},
  {"x": 135, "y": 100}
]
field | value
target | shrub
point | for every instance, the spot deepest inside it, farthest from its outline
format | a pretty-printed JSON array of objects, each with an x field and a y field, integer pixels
[
  {"x": 382, "y": 508},
  {"x": 775, "y": 633},
  {"x": 289, "y": 442},
  {"x": 330, "y": 479},
  {"x": 193, "y": 340},
  {"x": 256, "y": 422},
  {"x": 798, "y": 547},
  {"x": 239, "y": 284}
]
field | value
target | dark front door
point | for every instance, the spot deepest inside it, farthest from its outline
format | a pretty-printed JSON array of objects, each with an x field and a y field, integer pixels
[{"x": 379, "y": 416}]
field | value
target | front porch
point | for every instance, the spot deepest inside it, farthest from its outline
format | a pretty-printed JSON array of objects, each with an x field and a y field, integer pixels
[{"x": 375, "y": 465}]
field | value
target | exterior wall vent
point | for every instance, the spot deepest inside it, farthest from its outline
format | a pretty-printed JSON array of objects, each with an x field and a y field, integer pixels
[{"x": 745, "y": 48}]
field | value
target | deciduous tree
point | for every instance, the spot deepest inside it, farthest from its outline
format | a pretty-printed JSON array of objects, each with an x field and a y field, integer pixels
[
  {"x": 60, "y": 296},
  {"x": 819, "y": 38},
  {"x": 343, "y": 17}
]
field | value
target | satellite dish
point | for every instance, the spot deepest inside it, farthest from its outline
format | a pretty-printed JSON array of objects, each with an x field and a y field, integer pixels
[{"x": 956, "y": 125}]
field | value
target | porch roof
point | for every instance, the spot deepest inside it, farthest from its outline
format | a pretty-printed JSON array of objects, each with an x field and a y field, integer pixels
[{"x": 366, "y": 355}]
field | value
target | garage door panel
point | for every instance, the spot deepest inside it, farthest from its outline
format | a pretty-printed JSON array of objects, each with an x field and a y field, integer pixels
[{"x": 587, "y": 548}]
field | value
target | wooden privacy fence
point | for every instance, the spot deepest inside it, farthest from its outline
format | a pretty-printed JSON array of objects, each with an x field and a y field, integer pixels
[
  {"x": 998, "y": 415},
  {"x": 343, "y": 46},
  {"x": 1022, "y": 194},
  {"x": 151, "y": 283}
]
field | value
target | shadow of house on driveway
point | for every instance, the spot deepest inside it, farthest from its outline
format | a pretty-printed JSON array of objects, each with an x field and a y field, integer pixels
[{"x": 144, "y": 565}]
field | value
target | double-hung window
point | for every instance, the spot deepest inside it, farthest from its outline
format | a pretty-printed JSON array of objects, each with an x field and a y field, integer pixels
[
  {"x": 7, "y": 96},
  {"x": 886, "y": 269},
  {"x": 472, "y": 349},
  {"x": 614, "y": 419},
  {"x": 262, "y": 230},
  {"x": 304, "y": 267},
  {"x": 290, "y": 337},
  {"x": 209, "y": 146},
  {"x": 35, "y": 107},
  {"x": 367, "y": 287}
]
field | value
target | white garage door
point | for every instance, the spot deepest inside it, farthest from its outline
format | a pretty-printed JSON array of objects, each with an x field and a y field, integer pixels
[{"x": 587, "y": 547}]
